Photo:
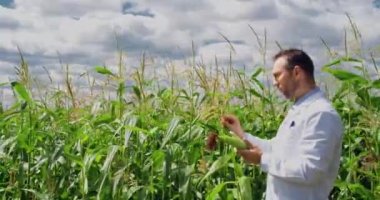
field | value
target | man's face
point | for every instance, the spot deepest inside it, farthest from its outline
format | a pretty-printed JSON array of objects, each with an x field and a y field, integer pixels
[{"x": 283, "y": 78}]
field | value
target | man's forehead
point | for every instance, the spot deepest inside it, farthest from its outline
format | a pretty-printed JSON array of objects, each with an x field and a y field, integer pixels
[{"x": 279, "y": 64}]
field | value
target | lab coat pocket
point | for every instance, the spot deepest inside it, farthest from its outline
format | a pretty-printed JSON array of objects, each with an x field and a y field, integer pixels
[
  {"x": 293, "y": 127},
  {"x": 289, "y": 142},
  {"x": 294, "y": 133}
]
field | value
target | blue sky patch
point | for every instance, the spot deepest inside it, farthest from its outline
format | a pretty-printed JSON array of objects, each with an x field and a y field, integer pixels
[
  {"x": 128, "y": 8},
  {"x": 376, "y": 3},
  {"x": 7, "y": 3}
]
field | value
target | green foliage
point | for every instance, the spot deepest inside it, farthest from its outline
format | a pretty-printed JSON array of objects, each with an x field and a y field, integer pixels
[
  {"x": 151, "y": 144},
  {"x": 21, "y": 92},
  {"x": 103, "y": 70}
]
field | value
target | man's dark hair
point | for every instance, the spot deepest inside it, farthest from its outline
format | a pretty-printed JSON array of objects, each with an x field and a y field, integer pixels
[{"x": 297, "y": 57}]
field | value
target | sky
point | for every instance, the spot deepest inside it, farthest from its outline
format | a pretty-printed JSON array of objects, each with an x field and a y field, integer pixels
[{"x": 85, "y": 33}]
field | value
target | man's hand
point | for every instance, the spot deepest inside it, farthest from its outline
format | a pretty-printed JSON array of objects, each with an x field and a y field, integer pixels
[
  {"x": 233, "y": 124},
  {"x": 252, "y": 154}
]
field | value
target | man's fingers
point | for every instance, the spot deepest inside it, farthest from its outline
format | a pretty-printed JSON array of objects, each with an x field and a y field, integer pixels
[
  {"x": 227, "y": 120},
  {"x": 249, "y": 145},
  {"x": 243, "y": 152},
  {"x": 252, "y": 155},
  {"x": 223, "y": 121}
]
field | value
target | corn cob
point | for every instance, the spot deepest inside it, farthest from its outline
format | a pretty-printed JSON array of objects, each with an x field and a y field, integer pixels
[{"x": 233, "y": 141}]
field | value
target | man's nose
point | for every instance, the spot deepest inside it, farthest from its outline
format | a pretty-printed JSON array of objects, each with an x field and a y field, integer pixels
[{"x": 275, "y": 83}]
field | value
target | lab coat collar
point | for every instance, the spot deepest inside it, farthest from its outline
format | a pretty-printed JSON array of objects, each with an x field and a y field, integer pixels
[{"x": 308, "y": 98}]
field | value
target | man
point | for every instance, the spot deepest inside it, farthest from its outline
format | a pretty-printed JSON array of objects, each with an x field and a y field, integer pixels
[{"x": 302, "y": 160}]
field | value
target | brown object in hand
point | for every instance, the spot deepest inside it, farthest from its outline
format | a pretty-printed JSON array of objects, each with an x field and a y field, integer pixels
[
  {"x": 211, "y": 141},
  {"x": 229, "y": 120}
]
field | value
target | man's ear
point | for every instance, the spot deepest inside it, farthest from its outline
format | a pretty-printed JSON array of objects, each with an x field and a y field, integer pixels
[{"x": 297, "y": 70}]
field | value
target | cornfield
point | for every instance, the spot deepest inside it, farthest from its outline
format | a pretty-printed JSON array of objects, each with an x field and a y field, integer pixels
[{"x": 147, "y": 141}]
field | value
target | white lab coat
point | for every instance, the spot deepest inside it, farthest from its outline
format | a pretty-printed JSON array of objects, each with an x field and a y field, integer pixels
[{"x": 302, "y": 161}]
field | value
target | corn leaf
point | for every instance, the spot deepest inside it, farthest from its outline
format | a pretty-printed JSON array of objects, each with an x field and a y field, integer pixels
[
  {"x": 128, "y": 131},
  {"x": 245, "y": 188},
  {"x": 214, "y": 192},
  {"x": 332, "y": 63},
  {"x": 257, "y": 72},
  {"x": 170, "y": 131},
  {"x": 158, "y": 158},
  {"x": 21, "y": 92},
  {"x": 376, "y": 84},
  {"x": 344, "y": 75},
  {"x": 137, "y": 92},
  {"x": 103, "y": 70},
  {"x": 218, "y": 164}
]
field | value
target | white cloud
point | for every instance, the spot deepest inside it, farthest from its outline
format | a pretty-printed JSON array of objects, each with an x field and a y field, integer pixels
[
  {"x": 83, "y": 32},
  {"x": 222, "y": 51},
  {"x": 72, "y": 8}
]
